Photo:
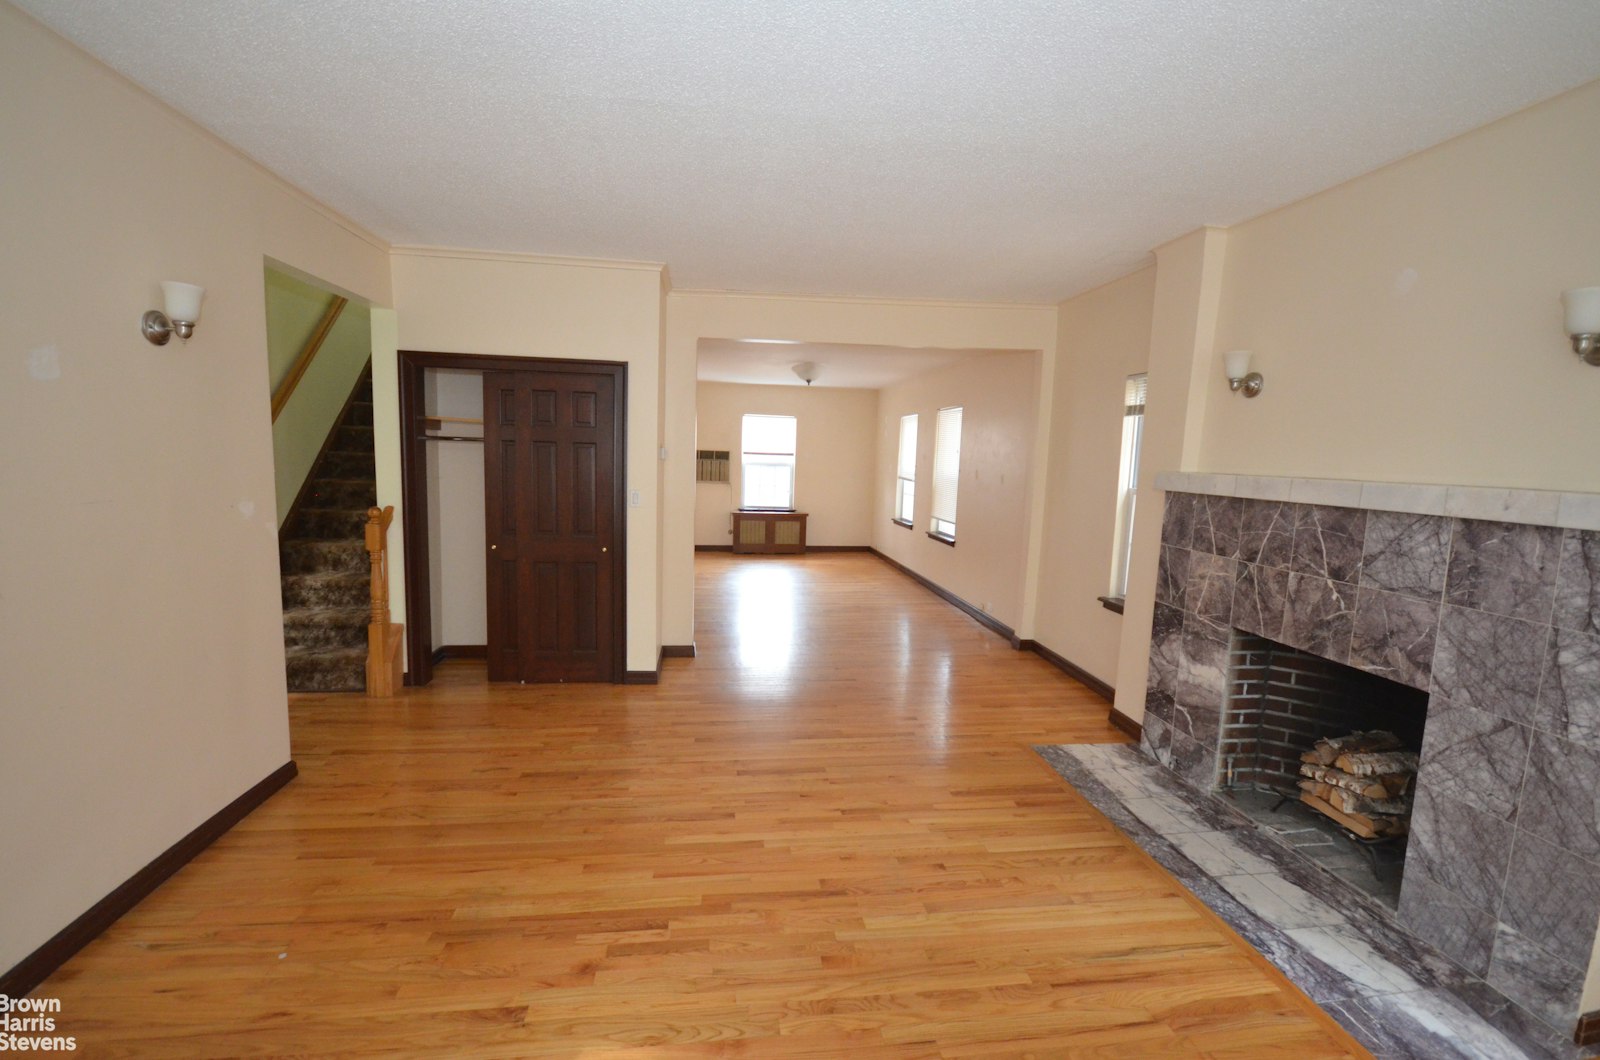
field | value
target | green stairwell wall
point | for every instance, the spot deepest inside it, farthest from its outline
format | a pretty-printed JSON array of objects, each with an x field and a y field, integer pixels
[{"x": 294, "y": 308}]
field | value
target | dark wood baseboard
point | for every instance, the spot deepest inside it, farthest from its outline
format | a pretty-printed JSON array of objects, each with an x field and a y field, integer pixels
[
  {"x": 809, "y": 548},
  {"x": 33, "y": 969},
  {"x": 677, "y": 651},
  {"x": 1126, "y": 724},
  {"x": 641, "y": 677},
  {"x": 982, "y": 617},
  {"x": 460, "y": 651},
  {"x": 1588, "y": 1032},
  {"x": 1070, "y": 668}
]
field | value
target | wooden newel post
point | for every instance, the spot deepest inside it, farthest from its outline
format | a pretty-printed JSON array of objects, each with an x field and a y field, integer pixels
[{"x": 383, "y": 636}]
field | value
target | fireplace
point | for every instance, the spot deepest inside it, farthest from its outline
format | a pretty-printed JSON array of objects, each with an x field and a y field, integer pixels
[
  {"x": 1493, "y": 626},
  {"x": 1282, "y": 700}
]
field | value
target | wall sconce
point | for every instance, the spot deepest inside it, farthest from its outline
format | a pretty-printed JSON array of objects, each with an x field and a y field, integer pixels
[
  {"x": 1583, "y": 322},
  {"x": 1240, "y": 378},
  {"x": 183, "y": 312},
  {"x": 806, "y": 370}
]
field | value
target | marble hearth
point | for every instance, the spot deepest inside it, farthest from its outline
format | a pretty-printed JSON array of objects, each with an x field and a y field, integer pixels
[{"x": 1497, "y": 620}]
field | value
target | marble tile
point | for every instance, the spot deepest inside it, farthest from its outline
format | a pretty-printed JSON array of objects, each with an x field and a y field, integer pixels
[
  {"x": 1203, "y": 675},
  {"x": 1503, "y": 568},
  {"x": 1543, "y": 984},
  {"x": 1221, "y": 853},
  {"x": 1403, "y": 497},
  {"x": 1537, "y": 507},
  {"x": 1569, "y": 692},
  {"x": 1195, "y": 760},
  {"x": 1463, "y": 849},
  {"x": 1393, "y": 636},
  {"x": 1579, "y": 511},
  {"x": 1320, "y": 616},
  {"x": 1259, "y": 597},
  {"x": 1406, "y": 554},
  {"x": 1166, "y": 648},
  {"x": 1163, "y": 814},
  {"x": 1433, "y": 1025},
  {"x": 1561, "y": 796},
  {"x": 1216, "y": 525},
  {"x": 1578, "y": 582},
  {"x": 1537, "y": 1039},
  {"x": 1489, "y": 662},
  {"x": 1266, "y": 533},
  {"x": 1341, "y": 492},
  {"x": 1209, "y": 591},
  {"x": 1262, "y": 487},
  {"x": 1207, "y": 483},
  {"x": 1473, "y": 757},
  {"x": 1172, "y": 575},
  {"x": 1177, "y": 519},
  {"x": 1552, "y": 898},
  {"x": 1280, "y": 903},
  {"x": 1435, "y": 914},
  {"x": 1369, "y": 970},
  {"x": 1155, "y": 738},
  {"x": 1328, "y": 542}
]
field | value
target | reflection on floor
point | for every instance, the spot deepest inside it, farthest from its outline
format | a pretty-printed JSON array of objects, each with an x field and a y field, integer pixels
[{"x": 1398, "y": 996}]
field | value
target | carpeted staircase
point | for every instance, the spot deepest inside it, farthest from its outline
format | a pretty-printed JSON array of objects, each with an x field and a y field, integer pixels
[{"x": 323, "y": 559}]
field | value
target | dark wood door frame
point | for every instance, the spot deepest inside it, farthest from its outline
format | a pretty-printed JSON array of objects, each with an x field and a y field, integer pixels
[{"x": 414, "y": 494}]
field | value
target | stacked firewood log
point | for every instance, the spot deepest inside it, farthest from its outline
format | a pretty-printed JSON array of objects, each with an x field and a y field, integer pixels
[{"x": 1363, "y": 781}]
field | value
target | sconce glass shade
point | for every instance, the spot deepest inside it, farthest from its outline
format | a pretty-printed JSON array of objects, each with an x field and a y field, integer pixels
[
  {"x": 1583, "y": 322},
  {"x": 1236, "y": 363},
  {"x": 183, "y": 300},
  {"x": 1583, "y": 310}
]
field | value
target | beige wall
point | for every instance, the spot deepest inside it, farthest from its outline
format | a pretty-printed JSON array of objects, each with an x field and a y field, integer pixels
[
  {"x": 142, "y": 639},
  {"x": 836, "y": 454},
  {"x": 294, "y": 309},
  {"x": 1409, "y": 322},
  {"x": 511, "y": 306},
  {"x": 988, "y": 565},
  {"x": 693, "y": 315},
  {"x": 1102, "y": 337},
  {"x": 458, "y": 575}
]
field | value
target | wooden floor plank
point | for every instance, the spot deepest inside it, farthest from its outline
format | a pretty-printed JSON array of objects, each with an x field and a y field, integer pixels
[{"x": 824, "y": 836}]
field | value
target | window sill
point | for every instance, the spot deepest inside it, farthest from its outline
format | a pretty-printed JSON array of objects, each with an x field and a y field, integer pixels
[
  {"x": 943, "y": 539},
  {"x": 901, "y": 522},
  {"x": 781, "y": 511},
  {"x": 1112, "y": 603}
]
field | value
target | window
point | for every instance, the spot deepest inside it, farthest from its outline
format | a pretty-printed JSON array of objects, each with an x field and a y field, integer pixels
[
  {"x": 766, "y": 466},
  {"x": 905, "y": 485},
  {"x": 1128, "y": 481},
  {"x": 946, "y": 469}
]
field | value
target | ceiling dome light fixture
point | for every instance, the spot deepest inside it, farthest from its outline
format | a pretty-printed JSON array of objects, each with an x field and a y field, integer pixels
[{"x": 806, "y": 370}]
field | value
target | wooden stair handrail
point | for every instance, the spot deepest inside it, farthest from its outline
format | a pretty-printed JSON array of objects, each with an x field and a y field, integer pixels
[
  {"x": 297, "y": 371},
  {"x": 383, "y": 636}
]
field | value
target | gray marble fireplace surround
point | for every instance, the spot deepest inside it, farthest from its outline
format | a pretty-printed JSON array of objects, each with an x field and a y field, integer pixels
[{"x": 1489, "y": 600}]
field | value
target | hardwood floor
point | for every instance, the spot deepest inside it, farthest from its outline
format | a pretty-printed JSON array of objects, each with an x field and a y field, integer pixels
[{"x": 824, "y": 837}]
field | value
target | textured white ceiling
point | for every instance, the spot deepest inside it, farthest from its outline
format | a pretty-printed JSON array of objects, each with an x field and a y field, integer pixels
[
  {"x": 854, "y": 366},
  {"x": 1015, "y": 150}
]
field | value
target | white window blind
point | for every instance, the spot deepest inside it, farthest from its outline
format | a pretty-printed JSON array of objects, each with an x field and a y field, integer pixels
[
  {"x": 1133, "y": 397},
  {"x": 946, "y": 469},
  {"x": 906, "y": 476},
  {"x": 766, "y": 464}
]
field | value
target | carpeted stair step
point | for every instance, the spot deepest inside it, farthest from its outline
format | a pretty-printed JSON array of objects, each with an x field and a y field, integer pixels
[
  {"x": 341, "y": 493},
  {"x": 326, "y": 670},
  {"x": 347, "y": 465},
  {"x": 325, "y": 627},
  {"x": 352, "y": 438},
  {"x": 334, "y": 589},
  {"x": 311, "y": 557},
  {"x": 325, "y": 524}
]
